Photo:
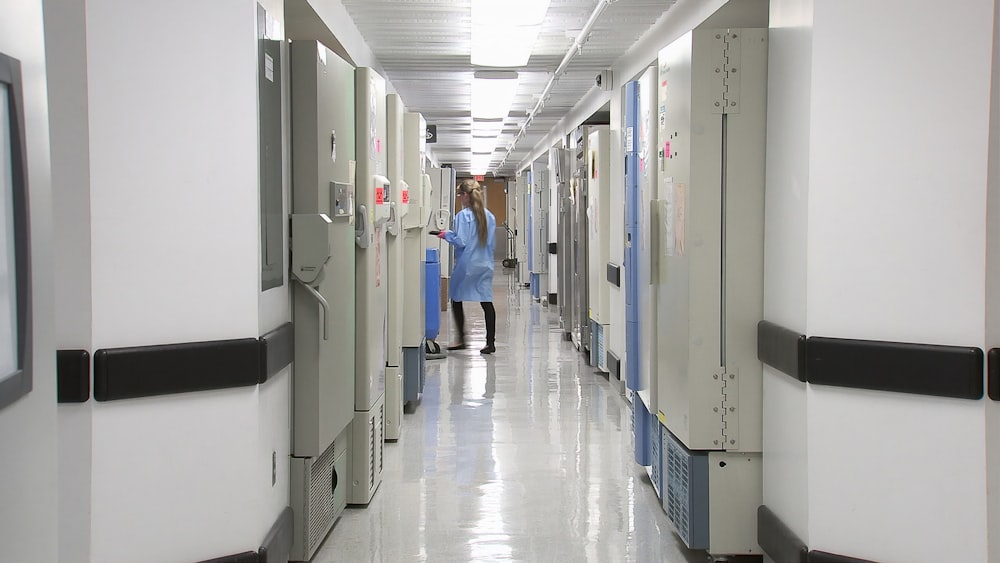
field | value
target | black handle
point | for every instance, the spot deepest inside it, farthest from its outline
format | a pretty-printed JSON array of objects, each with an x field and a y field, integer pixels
[{"x": 434, "y": 233}]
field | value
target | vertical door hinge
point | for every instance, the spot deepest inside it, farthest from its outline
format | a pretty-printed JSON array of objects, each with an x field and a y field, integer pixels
[
  {"x": 718, "y": 77},
  {"x": 731, "y": 71},
  {"x": 720, "y": 409},
  {"x": 730, "y": 403}
]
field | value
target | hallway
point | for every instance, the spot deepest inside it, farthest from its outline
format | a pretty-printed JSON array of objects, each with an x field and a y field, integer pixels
[{"x": 525, "y": 455}]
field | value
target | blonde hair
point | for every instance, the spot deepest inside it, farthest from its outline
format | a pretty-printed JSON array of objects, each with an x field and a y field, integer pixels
[{"x": 475, "y": 202}]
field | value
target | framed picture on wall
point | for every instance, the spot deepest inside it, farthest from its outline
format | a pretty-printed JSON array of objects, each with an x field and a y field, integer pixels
[{"x": 15, "y": 273}]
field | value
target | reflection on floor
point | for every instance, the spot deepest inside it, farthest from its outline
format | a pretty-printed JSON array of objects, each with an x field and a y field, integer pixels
[{"x": 520, "y": 456}]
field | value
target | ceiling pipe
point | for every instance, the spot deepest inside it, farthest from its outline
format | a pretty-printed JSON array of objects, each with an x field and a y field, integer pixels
[{"x": 574, "y": 50}]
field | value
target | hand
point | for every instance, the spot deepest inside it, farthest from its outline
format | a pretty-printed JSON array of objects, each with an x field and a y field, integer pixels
[{"x": 441, "y": 234}]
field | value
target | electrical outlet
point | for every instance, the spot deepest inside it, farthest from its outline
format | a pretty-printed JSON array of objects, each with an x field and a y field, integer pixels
[{"x": 274, "y": 468}]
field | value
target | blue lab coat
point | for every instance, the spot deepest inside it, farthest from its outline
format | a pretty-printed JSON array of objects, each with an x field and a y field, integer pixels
[{"x": 472, "y": 277}]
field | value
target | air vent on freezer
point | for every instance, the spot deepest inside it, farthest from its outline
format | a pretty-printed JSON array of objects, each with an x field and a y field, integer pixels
[
  {"x": 686, "y": 498},
  {"x": 318, "y": 496}
]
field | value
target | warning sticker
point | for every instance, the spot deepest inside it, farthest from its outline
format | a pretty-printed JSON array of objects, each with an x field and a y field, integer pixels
[
  {"x": 406, "y": 196},
  {"x": 379, "y": 195}
]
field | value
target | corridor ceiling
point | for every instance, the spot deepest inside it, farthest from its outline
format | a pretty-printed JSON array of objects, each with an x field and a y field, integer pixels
[{"x": 424, "y": 49}]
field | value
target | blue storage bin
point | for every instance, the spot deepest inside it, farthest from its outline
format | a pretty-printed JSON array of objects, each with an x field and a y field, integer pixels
[
  {"x": 432, "y": 294},
  {"x": 641, "y": 430}
]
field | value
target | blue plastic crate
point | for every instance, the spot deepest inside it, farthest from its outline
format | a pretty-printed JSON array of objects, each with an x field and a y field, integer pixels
[
  {"x": 641, "y": 431},
  {"x": 432, "y": 294}
]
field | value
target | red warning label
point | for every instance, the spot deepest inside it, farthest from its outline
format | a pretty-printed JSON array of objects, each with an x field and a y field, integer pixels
[
  {"x": 379, "y": 196},
  {"x": 406, "y": 196}
]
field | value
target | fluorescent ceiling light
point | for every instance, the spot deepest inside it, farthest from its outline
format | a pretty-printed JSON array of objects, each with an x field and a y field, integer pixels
[
  {"x": 484, "y": 144},
  {"x": 483, "y": 128},
  {"x": 492, "y": 97},
  {"x": 504, "y": 31},
  {"x": 481, "y": 160},
  {"x": 509, "y": 12},
  {"x": 499, "y": 46}
]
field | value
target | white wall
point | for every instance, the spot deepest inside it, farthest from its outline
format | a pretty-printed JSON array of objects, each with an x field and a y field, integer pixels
[
  {"x": 175, "y": 258},
  {"x": 172, "y": 257},
  {"x": 66, "y": 61},
  {"x": 870, "y": 236},
  {"x": 274, "y": 424},
  {"x": 28, "y": 503},
  {"x": 275, "y": 396},
  {"x": 786, "y": 200},
  {"x": 896, "y": 246},
  {"x": 275, "y": 304},
  {"x": 993, "y": 297}
]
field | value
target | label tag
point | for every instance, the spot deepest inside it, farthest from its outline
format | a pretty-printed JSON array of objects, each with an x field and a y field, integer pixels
[{"x": 268, "y": 67}]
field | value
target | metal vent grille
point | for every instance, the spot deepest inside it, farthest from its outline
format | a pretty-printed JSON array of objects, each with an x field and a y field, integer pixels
[
  {"x": 631, "y": 420},
  {"x": 372, "y": 445},
  {"x": 602, "y": 356},
  {"x": 655, "y": 447},
  {"x": 380, "y": 438},
  {"x": 322, "y": 510},
  {"x": 686, "y": 498}
]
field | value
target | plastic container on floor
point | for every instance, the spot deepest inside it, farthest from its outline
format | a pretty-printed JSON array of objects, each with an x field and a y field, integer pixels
[{"x": 432, "y": 295}]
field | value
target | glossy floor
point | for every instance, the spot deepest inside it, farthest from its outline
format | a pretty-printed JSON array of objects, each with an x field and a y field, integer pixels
[{"x": 520, "y": 456}]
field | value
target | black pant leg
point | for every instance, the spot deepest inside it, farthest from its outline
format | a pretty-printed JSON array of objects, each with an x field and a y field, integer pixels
[
  {"x": 491, "y": 322},
  {"x": 459, "y": 314}
]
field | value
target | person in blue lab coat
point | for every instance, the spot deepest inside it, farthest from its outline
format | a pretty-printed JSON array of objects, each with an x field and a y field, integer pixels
[{"x": 472, "y": 278}]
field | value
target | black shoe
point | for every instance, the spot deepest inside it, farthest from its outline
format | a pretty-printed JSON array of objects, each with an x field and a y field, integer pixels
[
  {"x": 489, "y": 349},
  {"x": 460, "y": 346}
]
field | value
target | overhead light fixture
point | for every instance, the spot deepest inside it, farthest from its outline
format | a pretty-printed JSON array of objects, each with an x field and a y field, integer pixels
[
  {"x": 492, "y": 94},
  {"x": 486, "y": 127},
  {"x": 484, "y": 144},
  {"x": 509, "y": 12},
  {"x": 480, "y": 164},
  {"x": 517, "y": 22},
  {"x": 518, "y": 43}
]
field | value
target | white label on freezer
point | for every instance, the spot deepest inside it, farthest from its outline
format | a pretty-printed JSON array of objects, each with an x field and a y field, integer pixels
[{"x": 268, "y": 67}]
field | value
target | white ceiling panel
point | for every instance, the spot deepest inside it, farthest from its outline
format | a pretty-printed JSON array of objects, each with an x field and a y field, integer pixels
[{"x": 424, "y": 45}]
